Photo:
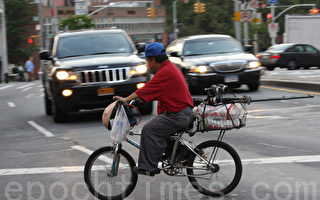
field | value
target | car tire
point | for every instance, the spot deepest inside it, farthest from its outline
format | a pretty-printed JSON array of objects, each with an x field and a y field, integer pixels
[
  {"x": 292, "y": 65},
  {"x": 254, "y": 86},
  {"x": 146, "y": 109},
  {"x": 48, "y": 104},
  {"x": 57, "y": 114}
]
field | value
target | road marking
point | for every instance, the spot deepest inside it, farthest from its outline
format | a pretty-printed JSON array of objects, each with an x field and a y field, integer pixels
[
  {"x": 41, "y": 129},
  {"x": 4, "y": 87},
  {"x": 68, "y": 169},
  {"x": 28, "y": 88},
  {"x": 11, "y": 104},
  {"x": 287, "y": 90},
  {"x": 24, "y": 86},
  {"x": 272, "y": 145},
  {"x": 89, "y": 152}
]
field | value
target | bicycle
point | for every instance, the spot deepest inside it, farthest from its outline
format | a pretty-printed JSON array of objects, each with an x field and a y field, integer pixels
[{"x": 213, "y": 167}]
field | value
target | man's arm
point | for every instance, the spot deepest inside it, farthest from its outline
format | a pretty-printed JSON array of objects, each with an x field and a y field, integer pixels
[{"x": 132, "y": 96}]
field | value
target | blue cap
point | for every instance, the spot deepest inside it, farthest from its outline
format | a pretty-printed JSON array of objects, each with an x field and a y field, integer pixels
[{"x": 155, "y": 49}]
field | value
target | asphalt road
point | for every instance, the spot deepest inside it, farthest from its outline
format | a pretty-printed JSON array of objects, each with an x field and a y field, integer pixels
[{"x": 279, "y": 149}]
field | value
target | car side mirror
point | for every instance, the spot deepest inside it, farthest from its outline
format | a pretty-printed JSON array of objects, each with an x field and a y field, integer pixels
[
  {"x": 174, "y": 54},
  {"x": 140, "y": 47},
  {"x": 45, "y": 55},
  {"x": 247, "y": 48}
]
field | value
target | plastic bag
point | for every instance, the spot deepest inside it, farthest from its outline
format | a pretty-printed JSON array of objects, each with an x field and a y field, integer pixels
[{"x": 121, "y": 126}]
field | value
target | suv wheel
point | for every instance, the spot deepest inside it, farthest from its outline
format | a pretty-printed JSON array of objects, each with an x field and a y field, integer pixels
[
  {"x": 253, "y": 86},
  {"x": 48, "y": 104},
  {"x": 58, "y": 115}
]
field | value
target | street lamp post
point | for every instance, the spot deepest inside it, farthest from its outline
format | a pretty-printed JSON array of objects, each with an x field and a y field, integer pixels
[
  {"x": 3, "y": 44},
  {"x": 175, "y": 31}
]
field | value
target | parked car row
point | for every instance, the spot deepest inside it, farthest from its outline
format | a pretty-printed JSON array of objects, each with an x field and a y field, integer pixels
[{"x": 290, "y": 56}]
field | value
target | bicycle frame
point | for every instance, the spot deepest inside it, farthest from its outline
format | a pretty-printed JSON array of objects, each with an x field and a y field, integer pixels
[{"x": 178, "y": 138}]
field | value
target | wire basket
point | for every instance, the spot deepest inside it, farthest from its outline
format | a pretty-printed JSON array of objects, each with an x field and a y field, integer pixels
[{"x": 221, "y": 117}]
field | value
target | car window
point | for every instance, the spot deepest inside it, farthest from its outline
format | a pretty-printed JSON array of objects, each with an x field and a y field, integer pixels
[
  {"x": 211, "y": 46},
  {"x": 279, "y": 48},
  {"x": 310, "y": 49},
  {"x": 297, "y": 48},
  {"x": 79, "y": 45}
]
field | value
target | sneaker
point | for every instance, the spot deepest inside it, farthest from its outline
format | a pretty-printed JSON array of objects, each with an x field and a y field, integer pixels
[{"x": 145, "y": 172}]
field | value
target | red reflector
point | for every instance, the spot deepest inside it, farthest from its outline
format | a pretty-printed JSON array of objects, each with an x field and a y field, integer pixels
[
  {"x": 259, "y": 57},
  {"x": 275, "y": 57}
]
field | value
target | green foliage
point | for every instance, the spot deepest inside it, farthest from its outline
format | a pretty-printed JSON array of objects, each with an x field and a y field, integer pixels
[
  {"x": 76, "y": 22},
  {"x": 18, "y": 17}
]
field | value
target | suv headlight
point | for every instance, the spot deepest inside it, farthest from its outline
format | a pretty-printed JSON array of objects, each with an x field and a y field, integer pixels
[
  {"x": 139, "y": 69},
  {"x": 199, "y": 69},
  {"x": 65, "y": 75},
  {"x": 254, "y": 64}
]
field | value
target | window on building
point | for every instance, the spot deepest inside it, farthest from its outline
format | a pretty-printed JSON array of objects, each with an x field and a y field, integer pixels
[{"x": 131, "y": 12}]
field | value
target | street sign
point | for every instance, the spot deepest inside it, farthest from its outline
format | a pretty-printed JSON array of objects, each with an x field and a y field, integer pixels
[
  {"x": 246, "y": 16},
  {"x": 272, "y": 1},
  {"x": 273, "y": 29},
  {"x": 80, "y": 8},
  {"x": 36, "y": 18},
  {"x": 254, "y": 4}
]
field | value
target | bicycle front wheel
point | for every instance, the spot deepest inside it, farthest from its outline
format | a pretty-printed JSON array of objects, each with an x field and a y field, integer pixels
[
  {"x": 99, "y": 177},
  {"x": 222, "y": 174}
]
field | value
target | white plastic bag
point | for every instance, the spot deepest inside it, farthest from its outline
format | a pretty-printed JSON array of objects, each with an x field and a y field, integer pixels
[{"x": 120, "y": 126}]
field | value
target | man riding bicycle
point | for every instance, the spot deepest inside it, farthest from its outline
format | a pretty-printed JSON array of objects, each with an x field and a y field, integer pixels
[{"x": 169, "y": 88}]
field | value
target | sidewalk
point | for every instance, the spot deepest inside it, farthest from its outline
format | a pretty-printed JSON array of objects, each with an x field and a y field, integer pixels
[{"x": 297, "y": 79}]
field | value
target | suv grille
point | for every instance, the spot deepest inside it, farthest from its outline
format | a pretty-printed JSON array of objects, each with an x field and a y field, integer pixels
[
  {"x": 228, "y": 66},
  {"x": 104, "y": 75}
]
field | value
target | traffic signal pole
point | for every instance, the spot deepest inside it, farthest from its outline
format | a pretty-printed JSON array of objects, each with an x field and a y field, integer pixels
[
  {"x": 237, "y": 24},
  {"x": 3, "y": 44},
  {"x": 273, "y": 37},
  {"x": 175, "y": 31}
]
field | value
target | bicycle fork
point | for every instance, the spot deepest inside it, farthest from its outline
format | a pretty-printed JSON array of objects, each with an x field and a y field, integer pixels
[{"x": 116, "y": 159}]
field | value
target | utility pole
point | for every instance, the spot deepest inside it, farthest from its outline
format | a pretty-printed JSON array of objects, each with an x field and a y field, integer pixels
[
  {"x": 273, "y": 38},
  {"x": 175, "y": 31},
  {"x": 3, "y": 44},
  {"x": 237, "y": 22},
  {"x": 55, "y": 17}
]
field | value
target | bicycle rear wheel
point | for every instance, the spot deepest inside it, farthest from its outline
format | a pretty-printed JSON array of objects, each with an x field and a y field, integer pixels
[
  {"x": 223, "y": 173},
  {"x": 99, "y": 179}
]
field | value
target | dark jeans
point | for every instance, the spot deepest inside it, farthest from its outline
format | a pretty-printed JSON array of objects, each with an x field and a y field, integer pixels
[{"x": 154, "y": 134}]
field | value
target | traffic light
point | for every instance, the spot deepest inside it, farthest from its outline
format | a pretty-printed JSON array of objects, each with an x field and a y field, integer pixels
[
  {"x": 314, "y": 11},
  {"x": 196, "y": 7},
  {"x": 30, "y": 40},
  {"x": 269, "y": 17},
  {"x": 199, "y": 7},
  {"x": 151, "y": 12},
  {"x": 202, "y": 7}
]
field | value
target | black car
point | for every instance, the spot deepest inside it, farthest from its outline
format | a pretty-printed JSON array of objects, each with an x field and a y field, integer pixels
[
  {"x": 213, "y": 59},
  {"x": 290, "y": 56},
  {"x": 85, "y": 69}
]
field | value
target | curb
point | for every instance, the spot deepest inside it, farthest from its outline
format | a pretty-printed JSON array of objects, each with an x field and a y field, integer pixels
[{"x": 313, "y": 86}]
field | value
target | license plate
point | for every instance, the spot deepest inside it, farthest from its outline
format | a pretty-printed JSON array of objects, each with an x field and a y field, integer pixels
[
  {"x": 229, "y": 79},
  {"x": 105, "y": 91}
]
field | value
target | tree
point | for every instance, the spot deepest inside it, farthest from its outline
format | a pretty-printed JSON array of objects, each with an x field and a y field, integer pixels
[
  {"x": 76, "y": 22},
  {"x": 18, "y": 18}
]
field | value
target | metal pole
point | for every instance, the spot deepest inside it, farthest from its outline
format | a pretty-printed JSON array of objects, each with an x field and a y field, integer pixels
[
  {"x": 175, "y": 31},
  {"x": 41, "y": 24},
  {"x": 255, "y": 37},
  {"x": 273, "y": 38},
  {"x": 55, "y": 17},
  {"x": 4, "y": 56},
  {"x": 237, "y": 24}
]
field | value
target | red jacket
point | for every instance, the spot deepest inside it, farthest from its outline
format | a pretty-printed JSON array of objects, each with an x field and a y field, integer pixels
[{"x": 169, "y": 87}]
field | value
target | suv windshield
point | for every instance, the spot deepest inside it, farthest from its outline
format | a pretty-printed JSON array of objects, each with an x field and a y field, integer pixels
[
  {"x": 211, "y": 46},
  {"x": 91, "y": 44}
]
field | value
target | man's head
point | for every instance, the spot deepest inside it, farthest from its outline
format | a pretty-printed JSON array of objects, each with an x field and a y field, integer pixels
[{"x": 156, "y": 54}]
